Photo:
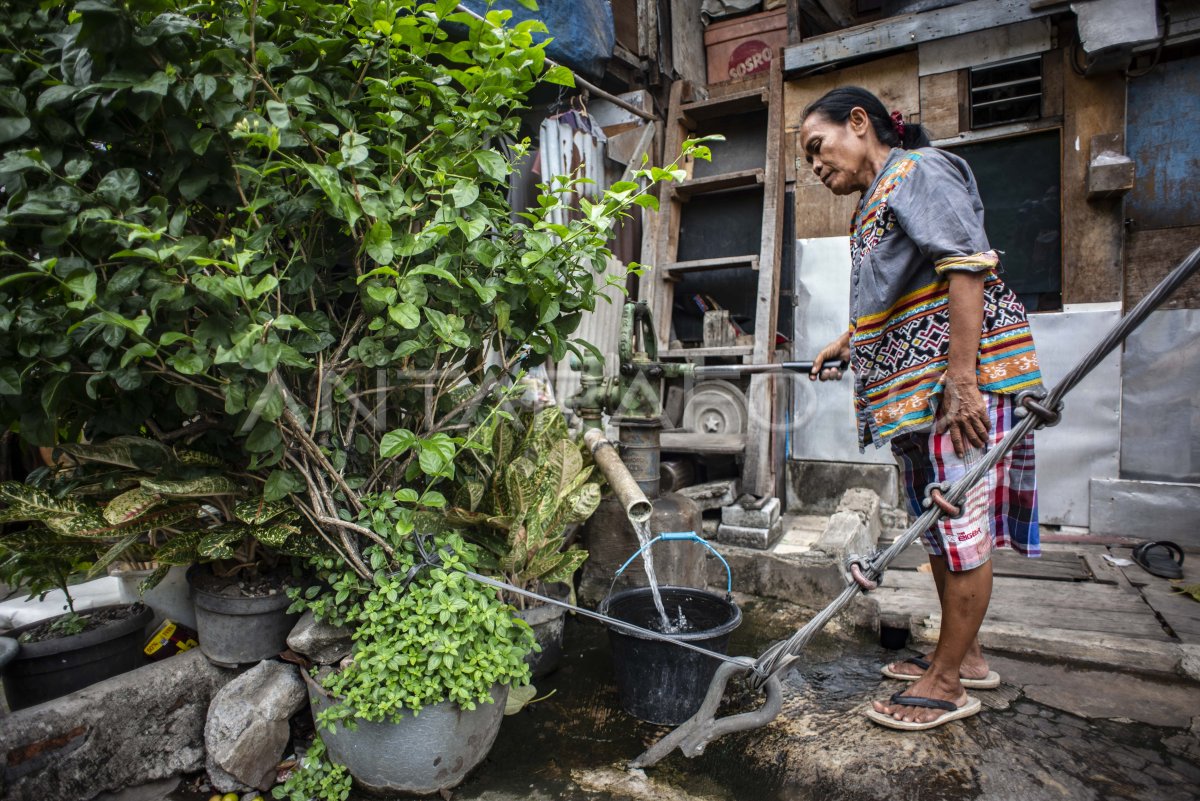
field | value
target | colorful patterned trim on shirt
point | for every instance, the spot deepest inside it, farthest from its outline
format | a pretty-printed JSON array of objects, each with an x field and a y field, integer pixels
[
  {"x": 900, "y": 356},
  {"x": 872, "y": 220},
  {"x": 975, "y": 263}
]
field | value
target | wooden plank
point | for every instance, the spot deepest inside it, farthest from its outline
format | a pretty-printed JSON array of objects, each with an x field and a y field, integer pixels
[
  {"x": 720, "y": 182},
  {"x": 1144, "y": 626},
  {"x": 1078, "y": 594},
  {"x": 687, "y": 41},
  {"x": 759, "y": 476},
  {"x": 939, "y": 104},
  {"x": 1092, "y": 231},
  {"x": 724, "y": 104},
  {"x": 896, "y": 33},
  {"x": 1107, "y": 650},
  {"x": 1150, "y": 255},
  {"x": 693, "y": 353},
  {"x": 819, "y": 212},
  {"x": 984, "y": 47},
  {"x": 699, "y": 265},
  {"x": 893, "y": 79},
  {"x": 668, "y": 228}
]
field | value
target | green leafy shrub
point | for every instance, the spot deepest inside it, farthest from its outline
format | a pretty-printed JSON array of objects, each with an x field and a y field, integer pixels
[
  {"x": 535, "y": 481},
  {"x": 283, "y": 229}
]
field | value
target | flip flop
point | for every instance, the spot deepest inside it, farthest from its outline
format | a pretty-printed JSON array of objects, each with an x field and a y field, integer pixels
[
  {"x": 1162, "y": 558},
  {"x": 989, "y": 682},
  {"x": 953, "y": 712}
]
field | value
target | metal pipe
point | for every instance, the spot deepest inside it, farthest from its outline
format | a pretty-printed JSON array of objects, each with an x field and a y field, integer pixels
[
  {"x": 637, "y": 507},
  {"x": 736, "y": 370}
]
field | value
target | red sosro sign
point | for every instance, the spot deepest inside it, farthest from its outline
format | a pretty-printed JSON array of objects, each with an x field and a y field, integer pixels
[{"x": 751, "y": 56}]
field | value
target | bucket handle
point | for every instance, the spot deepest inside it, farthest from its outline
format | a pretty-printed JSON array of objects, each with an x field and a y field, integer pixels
[{"x": 677, "y": 536}]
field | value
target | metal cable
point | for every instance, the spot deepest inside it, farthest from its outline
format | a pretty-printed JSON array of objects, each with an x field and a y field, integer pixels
[
  {"x": 781, "y": 655},
  {"x": 609, "y": 621}
]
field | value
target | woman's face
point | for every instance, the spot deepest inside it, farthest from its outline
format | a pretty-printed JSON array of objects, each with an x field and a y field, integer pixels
[{"x": 839, "y": 152}]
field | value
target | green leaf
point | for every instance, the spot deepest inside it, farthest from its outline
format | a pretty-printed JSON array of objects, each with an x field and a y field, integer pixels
[
  {"x": 379, "y": 242},
  {"x": 10, "y": 381},
  {"x": 396, "y": 443},
  {"x": 559, "y": 75},
  {"x": 405, "y": 315},
  {"x": 464, "y": 193},
  {"x": 279, "y": 485},
  {"x": 491, "y": 164},
  {"x": 13, "y": 127}
]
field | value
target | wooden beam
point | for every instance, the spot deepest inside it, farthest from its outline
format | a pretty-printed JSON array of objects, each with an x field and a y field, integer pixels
[
  {"x": 904, "y": 31},
  {"x": 759, "y": 478}
]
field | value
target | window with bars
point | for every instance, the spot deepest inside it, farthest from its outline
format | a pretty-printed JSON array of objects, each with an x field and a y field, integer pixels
[{"x": 1006, "y": 93}]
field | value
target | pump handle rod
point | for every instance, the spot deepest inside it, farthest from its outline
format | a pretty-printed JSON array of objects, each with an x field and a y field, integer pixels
[{"x": 735, "y": 370}]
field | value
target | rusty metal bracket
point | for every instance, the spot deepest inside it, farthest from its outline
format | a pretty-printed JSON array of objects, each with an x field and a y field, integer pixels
[
  {"x": 694, "y": 735},
  {"x": 935, "y": 496}
]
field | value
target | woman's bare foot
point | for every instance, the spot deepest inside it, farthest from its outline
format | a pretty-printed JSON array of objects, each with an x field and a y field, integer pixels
[{"x": 974, "y": 666}]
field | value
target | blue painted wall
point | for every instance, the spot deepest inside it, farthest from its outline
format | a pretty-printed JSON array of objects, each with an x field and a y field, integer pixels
[{"x": 1163, "y": 139}]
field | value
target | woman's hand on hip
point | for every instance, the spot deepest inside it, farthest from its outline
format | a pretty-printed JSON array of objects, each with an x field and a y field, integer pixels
[
  {"x": 965, "y": 413},
  {"x": 839, "y": 349}
]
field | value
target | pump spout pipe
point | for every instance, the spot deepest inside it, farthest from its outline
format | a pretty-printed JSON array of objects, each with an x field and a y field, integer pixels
[{"x": 625, "y": 487}]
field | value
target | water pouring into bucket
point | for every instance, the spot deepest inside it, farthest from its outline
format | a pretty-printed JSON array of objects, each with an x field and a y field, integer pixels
[{"x": 658, "y": 681}]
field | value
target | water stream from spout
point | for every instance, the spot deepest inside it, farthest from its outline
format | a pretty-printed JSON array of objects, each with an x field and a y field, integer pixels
[{"x": 644, "y": 536}]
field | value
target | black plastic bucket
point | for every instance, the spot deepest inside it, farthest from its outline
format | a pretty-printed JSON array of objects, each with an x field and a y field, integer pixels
[{"x": 660, "y": 682}]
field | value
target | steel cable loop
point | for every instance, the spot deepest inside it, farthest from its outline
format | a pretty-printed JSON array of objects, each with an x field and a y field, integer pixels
[{"x": 781, "y": 655}]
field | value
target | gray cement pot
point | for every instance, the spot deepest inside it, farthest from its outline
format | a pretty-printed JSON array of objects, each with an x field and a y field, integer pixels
[
  {"x": 420, "y": 754},
  {"x": 234, "y": 630},
  {"x": 547, "y": 622}
]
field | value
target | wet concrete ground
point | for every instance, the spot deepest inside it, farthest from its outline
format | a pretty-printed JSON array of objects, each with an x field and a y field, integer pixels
[
  {"x": 1049, "y": 732},
  {"x": 575, "y": 744}
]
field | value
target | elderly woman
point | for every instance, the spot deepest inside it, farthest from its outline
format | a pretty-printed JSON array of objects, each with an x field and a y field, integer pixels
[{"x": 938, "y": 346}]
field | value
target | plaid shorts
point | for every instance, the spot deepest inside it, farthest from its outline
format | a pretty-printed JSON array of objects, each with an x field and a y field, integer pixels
[{"x": 999, "y": 511}]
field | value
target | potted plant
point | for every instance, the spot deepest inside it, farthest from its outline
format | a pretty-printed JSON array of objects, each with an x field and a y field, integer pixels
[
  {"x": 136, "y": 499},
  {"x": 73, "y": 650},
  {"x": 419, "y": 700},
  {"x": 534, "y": 483}
]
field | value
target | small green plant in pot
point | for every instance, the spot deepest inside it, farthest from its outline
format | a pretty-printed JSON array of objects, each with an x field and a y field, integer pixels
[
  {"x": 534, "y": 484},
  {"x": 434, "y": 656}
]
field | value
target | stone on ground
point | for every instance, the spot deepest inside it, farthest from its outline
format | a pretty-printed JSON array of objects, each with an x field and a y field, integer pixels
[
  {"x": 130, "y": 730},
  {"x": 247, "y": 727},
  {"x": 321, "y": 642}
]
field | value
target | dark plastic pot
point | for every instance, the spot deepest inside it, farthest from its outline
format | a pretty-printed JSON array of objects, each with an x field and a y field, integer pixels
[
  {"x": 659, "y": 682},
  {"x": 234, "y": 630},
  {"x": 420, "y": 754},
  {"x": 53, "y": 668},
  {"x": 547, "y": 622}
]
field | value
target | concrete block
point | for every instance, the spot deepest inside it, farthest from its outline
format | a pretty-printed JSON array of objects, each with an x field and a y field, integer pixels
[
  {"x": 714, "y": 494},
  {"x": 737, "y": 515},
  {"x": 760, "y": 538},
  {"x": 845, "y": 534},
  {"x": 130, "y": 730},
  {"x": 864, "y": 503},
  {"x": 817, "y": 487}
]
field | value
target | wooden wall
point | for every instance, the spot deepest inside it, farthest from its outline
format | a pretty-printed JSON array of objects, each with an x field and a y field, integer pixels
[
  {"x": 894, "y": 79},
  {"x": 1093, "y": 235}
]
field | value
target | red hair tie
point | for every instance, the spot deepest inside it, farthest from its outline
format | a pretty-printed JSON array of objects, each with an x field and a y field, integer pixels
[{"x": 898, "y": 124}]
